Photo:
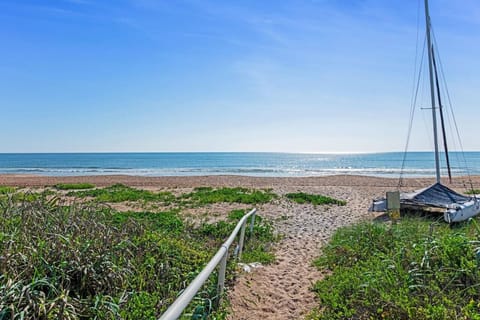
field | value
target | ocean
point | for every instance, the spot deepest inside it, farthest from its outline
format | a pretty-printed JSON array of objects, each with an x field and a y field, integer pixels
[{"x": 417, "y": 164}]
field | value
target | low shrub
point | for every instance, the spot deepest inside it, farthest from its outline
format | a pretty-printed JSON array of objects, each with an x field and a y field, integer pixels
[
  {"x": 207, "y": 195},
  {"x": 91, "y": 262},
  {"x": 473, "y": 191},
  {"x": 415, "y": 269},
  {"x": 257, "y": 248},
  {"x": 6, "y": 190},
  {"x": 74, "y": 186},
  {"x": 120, "y": 193},
  {"x": 315, "y": 199}
]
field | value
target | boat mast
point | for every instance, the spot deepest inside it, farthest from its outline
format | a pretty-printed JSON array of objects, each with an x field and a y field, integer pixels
[
  {"x": 442, "y": 120},
  {"x": 432, "y": 92}
]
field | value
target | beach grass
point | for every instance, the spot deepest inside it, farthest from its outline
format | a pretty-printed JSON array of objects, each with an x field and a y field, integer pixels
[
  {"x": 207, "y": 195},
  {"x": 414, "y": 269},
  {"x": 315, "y": 199},
  {"x": 120, "y": 193},
  {"x": 74, "y": 186},
  {"x": 17, "y": 195},
  {"x": 257, "y": 249},
  {"x": 473, "y": 191},
  {"x": 200, "y": 196},
  {"x": 6, "y": 190},
  {"x": 89, "y": 261}
]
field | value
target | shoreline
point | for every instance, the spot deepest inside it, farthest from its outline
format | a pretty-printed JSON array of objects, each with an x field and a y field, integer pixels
[{"x": 21, "y": 180}]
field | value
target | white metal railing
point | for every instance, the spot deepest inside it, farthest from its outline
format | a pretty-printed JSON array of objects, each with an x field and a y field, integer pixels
[{"x": 176, "y": 309}]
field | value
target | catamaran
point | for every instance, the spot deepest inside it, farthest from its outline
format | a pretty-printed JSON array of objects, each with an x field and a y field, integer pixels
[{"x": 455, "y": 207}]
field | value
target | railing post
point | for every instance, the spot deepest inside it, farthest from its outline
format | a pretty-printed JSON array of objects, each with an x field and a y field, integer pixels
[
  {"x": 242, "y": 240},
  {"x": 221, "y": 279},
  {"x": 252, "y": 222}
]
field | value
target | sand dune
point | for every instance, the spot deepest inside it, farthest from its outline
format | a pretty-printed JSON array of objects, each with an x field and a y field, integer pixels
[{"x": 280, "y": 290}]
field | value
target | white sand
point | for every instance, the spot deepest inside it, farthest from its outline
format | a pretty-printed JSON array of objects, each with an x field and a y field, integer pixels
[{"x": 281, "y": 290}]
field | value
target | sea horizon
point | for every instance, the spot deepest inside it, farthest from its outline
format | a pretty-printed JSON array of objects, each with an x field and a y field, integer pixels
[
  {"x": 280, "y": 152},
  {"x": 260, "y": 164}
]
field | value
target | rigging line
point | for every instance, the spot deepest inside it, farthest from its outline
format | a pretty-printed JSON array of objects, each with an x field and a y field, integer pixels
[
  {"x": 442, "y": 121},
  {"x": 426, "y": 96},
  {"x": 416, "y": 52},
  {"x": 427, "y": 127},
  {"x": 414, "y": 95},
  {"x": 452, "y": 137},
  {"x": 412, "y": 114},
  {"x": 453, "y": 115}
]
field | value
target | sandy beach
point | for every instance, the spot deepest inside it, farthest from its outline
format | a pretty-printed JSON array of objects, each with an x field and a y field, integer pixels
[
  {"x": 22, "y": 180},
  {"x": 280, "y": 290}
]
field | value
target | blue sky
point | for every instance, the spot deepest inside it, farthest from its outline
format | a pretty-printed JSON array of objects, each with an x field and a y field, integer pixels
[{"x": 203, "y": 75}]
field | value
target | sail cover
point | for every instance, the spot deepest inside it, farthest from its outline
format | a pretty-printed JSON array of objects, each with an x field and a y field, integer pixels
[{"x": 436, "y": 195}]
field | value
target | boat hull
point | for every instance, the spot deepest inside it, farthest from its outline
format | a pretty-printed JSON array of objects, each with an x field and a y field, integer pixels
[
  {"x": 451, "y": 213},
  {"x": 462, "y": 212}
]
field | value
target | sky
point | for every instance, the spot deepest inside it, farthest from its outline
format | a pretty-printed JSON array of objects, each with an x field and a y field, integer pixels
[{"x": 319, "y": 76}]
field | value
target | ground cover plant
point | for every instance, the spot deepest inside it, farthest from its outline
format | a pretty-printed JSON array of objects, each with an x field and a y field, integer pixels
[
  {"x": 198, "y": 197},
  {"x": 17, "y": 195},
  {"x": 6, "y": 190},
  {"x": 74, "y": 186},
  {"x": 89, "y": 261},
  {"x": 415, "y": 269},
  {"x": 315, "y": 199},
  {"x": 473, "y": 191},
  {"x": 257, "y": 249},
  {"x": 120, "y": 193},
  {"x": 207, "y": 195}
]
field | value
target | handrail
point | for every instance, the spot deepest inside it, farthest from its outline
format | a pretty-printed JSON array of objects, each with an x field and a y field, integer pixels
[{"x": 178, "y": 306}]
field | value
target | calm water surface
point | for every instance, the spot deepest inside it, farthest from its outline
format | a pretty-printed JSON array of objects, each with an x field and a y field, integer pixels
[{"x": 418, "y": 164}]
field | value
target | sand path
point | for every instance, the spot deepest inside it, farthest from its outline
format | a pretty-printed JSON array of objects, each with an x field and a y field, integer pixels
[{"x": 283, "y": 290}]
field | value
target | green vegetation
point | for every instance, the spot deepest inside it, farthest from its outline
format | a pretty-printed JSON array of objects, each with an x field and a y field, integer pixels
[
  {"x": 74, "y": 186},
  {"x": 168, "y": 222},
  {"x": 473, "y": 191},
  {"x": 199, "y": 197},
  {"x": 257, "y": 248},
  {"x": 92, "y": 262},
  {"x": 120, "y": 193},
  {"x": 25, "y": 196},
  {"x": 415, "y": 269},
  {"x": 6, "y": 190},
  {"x": 315, "y": 199},
  {"x": 207, "y": 195}
]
